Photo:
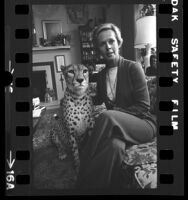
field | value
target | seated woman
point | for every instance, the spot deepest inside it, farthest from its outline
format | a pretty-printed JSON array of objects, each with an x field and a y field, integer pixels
[{"x": 121, "y": 85}]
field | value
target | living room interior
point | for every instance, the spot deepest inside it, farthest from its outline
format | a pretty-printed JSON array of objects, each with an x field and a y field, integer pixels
[
  {"x": 45, "y": 55},
  {"x": 60, "y": 34}
]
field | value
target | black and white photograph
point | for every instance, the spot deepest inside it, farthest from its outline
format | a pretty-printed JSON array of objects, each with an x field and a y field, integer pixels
[
  {"x": 94, "y": 116},
  {"x": 94, "y": 101}
]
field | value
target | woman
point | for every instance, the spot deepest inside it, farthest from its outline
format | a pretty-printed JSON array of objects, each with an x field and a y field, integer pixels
[{"x": 127, "y": 121}]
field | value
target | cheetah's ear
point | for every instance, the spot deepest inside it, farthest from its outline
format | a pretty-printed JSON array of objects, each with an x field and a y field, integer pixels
[{"x": 64, "y": 69}]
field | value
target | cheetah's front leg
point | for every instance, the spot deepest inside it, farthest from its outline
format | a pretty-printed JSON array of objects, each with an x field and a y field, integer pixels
[
  {"x": 75, "y": 152},
  {"x": 60, "y": 147}
]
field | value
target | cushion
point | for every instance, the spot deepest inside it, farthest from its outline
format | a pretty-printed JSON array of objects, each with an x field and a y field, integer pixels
[{"x": 141, "y": 161}]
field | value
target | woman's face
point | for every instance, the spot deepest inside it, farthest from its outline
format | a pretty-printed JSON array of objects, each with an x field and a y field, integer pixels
[{"x": 108, "y": 45}]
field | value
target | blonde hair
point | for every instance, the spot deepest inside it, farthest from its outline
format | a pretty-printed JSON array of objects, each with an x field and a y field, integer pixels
[{"x": 103, "y": 27}]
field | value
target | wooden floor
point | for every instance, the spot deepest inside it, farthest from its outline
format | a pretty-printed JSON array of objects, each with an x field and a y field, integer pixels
[{"x": 49, "y": 172}]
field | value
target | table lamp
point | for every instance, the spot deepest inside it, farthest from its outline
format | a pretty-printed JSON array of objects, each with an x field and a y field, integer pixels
[{"x": 146, "y": 36}]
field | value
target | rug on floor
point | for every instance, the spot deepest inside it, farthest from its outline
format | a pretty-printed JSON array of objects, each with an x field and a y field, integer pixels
[{"x": 48, "y": 171}]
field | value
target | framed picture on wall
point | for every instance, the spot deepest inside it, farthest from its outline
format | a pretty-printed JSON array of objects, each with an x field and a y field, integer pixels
[
  {"x": 77, "y": 14},
  {"x": 51, "y": 28},
  {"x": 60, "y": 62}
]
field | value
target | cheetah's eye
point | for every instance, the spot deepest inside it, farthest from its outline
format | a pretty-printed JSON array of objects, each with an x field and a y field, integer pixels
[
  {"x": 85, "y": 71},
  {"x": 71, "y": 71}
]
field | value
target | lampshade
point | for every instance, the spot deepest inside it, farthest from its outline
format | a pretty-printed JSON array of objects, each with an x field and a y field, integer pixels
[{"x": 145, "y": 32}]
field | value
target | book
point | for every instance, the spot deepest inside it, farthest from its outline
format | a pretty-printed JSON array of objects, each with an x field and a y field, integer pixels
[{"x": 37, "y": 111}]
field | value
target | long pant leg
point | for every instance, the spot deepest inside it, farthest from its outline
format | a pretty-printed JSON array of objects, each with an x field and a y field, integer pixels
[
  {"x": 106, "y": 164},
  {"x": 100, "y": 158}
]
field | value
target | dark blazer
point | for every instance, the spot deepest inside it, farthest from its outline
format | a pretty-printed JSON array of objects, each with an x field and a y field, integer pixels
[{"x": 132, "y": 94}]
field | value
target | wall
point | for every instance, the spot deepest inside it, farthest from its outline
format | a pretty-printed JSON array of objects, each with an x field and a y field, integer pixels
[
  {"x": 54, "y": 12},
  {"x": 113, "y": 14},
  {"x": 122, "y": 15},
  {"x": 128, "y": 31}
]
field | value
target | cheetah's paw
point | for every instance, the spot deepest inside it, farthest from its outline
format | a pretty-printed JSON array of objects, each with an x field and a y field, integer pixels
[{"x": 62, "y": 156}]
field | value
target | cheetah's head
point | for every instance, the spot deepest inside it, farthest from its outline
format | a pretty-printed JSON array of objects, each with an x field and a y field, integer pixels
[{"x": 77, "y": 79}]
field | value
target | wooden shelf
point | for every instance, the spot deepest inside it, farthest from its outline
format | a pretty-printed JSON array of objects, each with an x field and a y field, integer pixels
[{"x": 50, "y": 48}]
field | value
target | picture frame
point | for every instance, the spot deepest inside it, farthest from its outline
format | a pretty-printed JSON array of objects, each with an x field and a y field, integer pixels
[
  {"x": 60, "y": 61},
  {"x": 77, "y": 14},
  {"x": 38, "y": 66},
  {"x": 51, "y": 28}
]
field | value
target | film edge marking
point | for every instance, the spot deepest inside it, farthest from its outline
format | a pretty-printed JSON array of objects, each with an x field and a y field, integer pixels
[{"x": 10, "y": 176}]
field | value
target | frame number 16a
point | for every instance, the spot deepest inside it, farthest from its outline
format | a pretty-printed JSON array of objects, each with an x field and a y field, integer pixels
[{"x": 10, "y": 177}]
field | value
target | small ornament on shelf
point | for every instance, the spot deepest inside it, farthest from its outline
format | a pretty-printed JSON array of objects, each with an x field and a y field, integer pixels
[
  {"x": 49, "y": 95},
  {"x": 62, "y": 39},
  {"x": 34, "y": 37}
]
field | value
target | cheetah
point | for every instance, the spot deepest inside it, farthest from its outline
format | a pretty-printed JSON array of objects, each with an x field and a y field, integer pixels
[{"x": 75, "y": 117}]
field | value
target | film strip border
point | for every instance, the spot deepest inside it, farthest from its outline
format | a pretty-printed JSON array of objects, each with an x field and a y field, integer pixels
[
  {"x": 170, "y": 66},
  {"x": 18, "y": 61}
]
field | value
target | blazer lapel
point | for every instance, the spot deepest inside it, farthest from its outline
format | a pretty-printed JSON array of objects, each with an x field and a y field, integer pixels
[
  {"x": 119, "y": 81},
  {"x": 103, "y": 85}
]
